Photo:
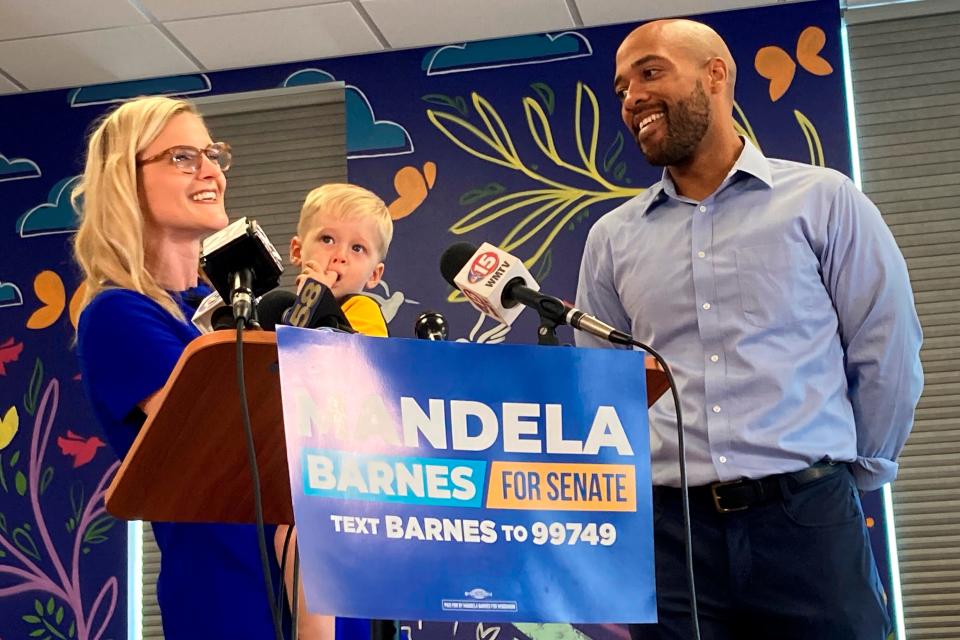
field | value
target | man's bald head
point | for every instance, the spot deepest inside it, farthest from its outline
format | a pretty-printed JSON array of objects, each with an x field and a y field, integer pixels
[
  {"x": 695, "y": 40},
  {"x": 675, "y": 81}
]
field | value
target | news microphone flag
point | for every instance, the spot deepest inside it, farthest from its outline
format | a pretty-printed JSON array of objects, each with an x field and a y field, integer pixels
[
  {"x": 241, "y": 245},
  {"x": 484, "y": 277},
  {"x": 315, "y": 306}
]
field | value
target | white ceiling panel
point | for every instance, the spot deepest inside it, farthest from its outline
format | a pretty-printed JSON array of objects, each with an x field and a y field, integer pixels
[
  {"x": 852, "y": 4},
  {"x": 47, "y": 44},
  {"x": 269, "y": 37},
  {"x": 416, "y": 23},
  {"x": 860, "y": 11},
  {"x": 597, "y": 12},
  {"x": 92, "y": 57},
  {"x": 7, "y": 87},
  {"x": 29, "y": 18},
  {"x": 165, "y": 10}
]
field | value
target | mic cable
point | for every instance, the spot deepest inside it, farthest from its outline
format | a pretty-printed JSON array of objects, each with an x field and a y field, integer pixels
[
  {"x": 684, "y": 487},
  {"x": 255, "y": 475}
]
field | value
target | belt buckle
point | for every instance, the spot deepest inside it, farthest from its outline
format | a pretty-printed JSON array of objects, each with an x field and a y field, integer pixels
[{"x": 716, "y": 497}]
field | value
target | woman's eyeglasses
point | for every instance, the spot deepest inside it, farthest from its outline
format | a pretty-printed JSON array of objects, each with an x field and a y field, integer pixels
[{"x": 189, "y": 159}]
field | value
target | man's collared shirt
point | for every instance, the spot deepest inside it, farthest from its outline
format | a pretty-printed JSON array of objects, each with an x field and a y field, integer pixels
[{"x": 783, "y": 306}]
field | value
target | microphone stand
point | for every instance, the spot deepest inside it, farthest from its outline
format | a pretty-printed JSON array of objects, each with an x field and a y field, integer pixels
[
  {"x": 241, "y": 297},
  {"x": 551, "y": 310},
  {"x": 547, "y": 332},
  {"x": 383, "y": 629},
  {"x": 552, "y": 313}
]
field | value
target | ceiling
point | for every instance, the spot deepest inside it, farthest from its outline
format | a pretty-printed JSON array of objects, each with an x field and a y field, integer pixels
[{"x": 49, "y": 44}]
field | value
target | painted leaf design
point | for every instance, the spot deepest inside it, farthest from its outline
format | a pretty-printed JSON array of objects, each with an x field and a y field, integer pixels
[
  {"x": 809, "y": 45},
  {"x": 49, "y": 289},
  {"x": 776, "y": 65}
]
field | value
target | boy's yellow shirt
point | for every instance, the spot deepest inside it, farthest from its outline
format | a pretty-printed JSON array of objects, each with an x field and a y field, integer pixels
[{"x": 364, "y": 315}]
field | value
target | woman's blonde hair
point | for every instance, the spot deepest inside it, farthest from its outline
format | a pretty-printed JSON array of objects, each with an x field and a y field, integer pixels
[{"x": 109, "y": 245}]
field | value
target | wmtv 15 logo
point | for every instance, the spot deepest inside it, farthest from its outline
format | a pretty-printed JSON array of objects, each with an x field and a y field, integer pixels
[{"x": 483, "y": 265}]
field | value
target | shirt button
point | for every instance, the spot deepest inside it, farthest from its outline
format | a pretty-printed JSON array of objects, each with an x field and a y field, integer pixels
[
  {"x": 706, "y": 305},
  {"x": 723, "y": 459},
  {"x": 703, "y": 209},
  {"x": 714, "y": 358},
  {"x": 701, "y": 254},
  {"x": 716, "y": 408}
]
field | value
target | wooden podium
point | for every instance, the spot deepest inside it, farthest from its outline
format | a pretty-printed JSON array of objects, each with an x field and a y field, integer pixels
[{"x": 189, "y": 461}]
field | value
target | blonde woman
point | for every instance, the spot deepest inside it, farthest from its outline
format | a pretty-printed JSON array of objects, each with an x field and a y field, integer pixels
[{"x": 152, "y": 188}]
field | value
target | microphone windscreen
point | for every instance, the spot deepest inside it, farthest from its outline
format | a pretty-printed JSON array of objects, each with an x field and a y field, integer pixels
[
  {"x": 453, "y": 259},
  {"x": 272, "y": 306},
  {"x": 431, "y": 325},
  {"x": 241, "y": 245},
  {"x": 222, "y": 318}
]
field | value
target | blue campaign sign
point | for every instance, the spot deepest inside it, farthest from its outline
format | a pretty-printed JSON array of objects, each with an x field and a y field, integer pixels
[{"x": 459, "y": 481}]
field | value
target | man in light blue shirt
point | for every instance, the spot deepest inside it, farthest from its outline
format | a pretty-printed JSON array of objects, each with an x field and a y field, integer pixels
[{"x": 780, "y": 300}]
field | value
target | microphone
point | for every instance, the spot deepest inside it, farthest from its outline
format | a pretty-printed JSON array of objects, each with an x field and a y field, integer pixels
[
  {"x": 315, "y": 307},
  {"x": 483, "y": 276},
  {"x": 213, "y": 314},
  {"x": 431, "y": 325},
  {"x": 272, "y": 306},
  {"x": 222, "y": 318},
  {"x": 496, "y": 283},
  {"x": 241, "y": 264}
]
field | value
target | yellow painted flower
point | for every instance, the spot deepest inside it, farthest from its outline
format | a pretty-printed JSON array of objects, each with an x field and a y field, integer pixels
[{"x": 8, "y": 426}]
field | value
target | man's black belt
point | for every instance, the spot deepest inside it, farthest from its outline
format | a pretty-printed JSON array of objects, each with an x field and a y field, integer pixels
[{"x": 739, "y": 495}]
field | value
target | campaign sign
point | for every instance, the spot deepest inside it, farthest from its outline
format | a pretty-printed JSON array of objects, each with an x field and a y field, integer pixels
[{"x": 457, "y": 481}]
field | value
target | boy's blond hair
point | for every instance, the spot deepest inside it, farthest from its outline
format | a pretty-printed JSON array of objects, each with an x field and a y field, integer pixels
[{"x": 345, "y": 202}]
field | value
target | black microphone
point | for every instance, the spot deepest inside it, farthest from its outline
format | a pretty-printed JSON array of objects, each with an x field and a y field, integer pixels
[
  {"x": 431, "y": 325},
  {"x": 222, "y": 318},
  {"x": 453, "y": 260},
  {"x": 272, "y": 306},
  {"x": 516, "y": 291},
  {"x": 314, "y": 307},
  {"x": 241, "y": 264}
]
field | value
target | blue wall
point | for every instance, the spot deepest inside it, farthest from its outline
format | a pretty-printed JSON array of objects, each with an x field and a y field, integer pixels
[{"x": 422, "y": 132}]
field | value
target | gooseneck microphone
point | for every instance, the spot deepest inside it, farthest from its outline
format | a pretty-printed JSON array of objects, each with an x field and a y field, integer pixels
[
  {"x": 241, "y": 263},
  {"x": 431, "y": 325},
  {"x": 496, "y": 283}
]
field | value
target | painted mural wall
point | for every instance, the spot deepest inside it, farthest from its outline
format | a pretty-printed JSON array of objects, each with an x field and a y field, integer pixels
[{"x": 515, "y": 141}]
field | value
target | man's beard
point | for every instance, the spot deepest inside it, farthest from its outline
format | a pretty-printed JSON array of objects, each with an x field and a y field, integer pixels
[{"x": 686, "y": 124}]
